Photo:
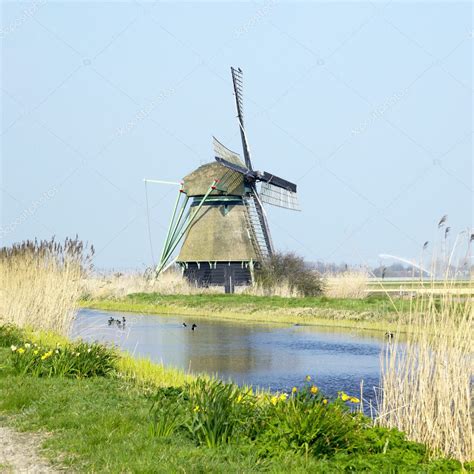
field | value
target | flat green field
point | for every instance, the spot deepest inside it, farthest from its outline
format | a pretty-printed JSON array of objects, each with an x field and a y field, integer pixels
[{"x": 373, "y": 312}]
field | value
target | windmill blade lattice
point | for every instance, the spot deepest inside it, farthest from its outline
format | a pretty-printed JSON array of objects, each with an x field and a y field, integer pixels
[
  {"x": 224, "y": 153},
  {"x": 280, "y": 197},
  {"x": 237, "y": 78},
  {"x": 238, "y": 88},
  {"x": 259, "y": 227}
]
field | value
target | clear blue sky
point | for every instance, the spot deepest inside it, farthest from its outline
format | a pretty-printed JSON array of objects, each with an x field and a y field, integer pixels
[{"x": 367, "y": 106}]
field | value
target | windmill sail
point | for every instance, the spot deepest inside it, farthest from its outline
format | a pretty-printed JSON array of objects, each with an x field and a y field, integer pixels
[
  {"x": 280, "y": 197},
  {"x": 226, "y": 155},
  {"x": 239, "y": 168},
  {"x": 258, "y": 227},
  {"x": 238, "y": 87}
]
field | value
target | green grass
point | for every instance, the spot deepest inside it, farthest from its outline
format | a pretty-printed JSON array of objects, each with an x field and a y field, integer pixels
[
  {"x": 102, "y": 425},
  {"x": 266, "y": 302},
  {"x": 374, "y": 312}
]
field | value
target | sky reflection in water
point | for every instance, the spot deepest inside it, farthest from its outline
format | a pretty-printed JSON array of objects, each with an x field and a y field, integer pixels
[{"x": 266, "y": 355}]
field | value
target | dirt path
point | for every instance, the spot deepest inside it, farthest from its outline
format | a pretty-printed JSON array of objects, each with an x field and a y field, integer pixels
[{"x": 19, "y": 453}]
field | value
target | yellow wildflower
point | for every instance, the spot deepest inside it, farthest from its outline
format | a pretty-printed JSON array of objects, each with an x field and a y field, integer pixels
[
  {"x": 35, "y": 352},
  {"x": 314, "y": 390},
  {"x": 308, "y": 378},
  {"x": 13, "y": 348},
  {"x": 196, "y": 408},
  {"x": 274, "y": 400},
  {"x": 294, "y": 390},
  {"x": 21, "y": 350},
  {"x": 283, "y": 397},
  {"x": 354, "y": 400},
  {"x": 46, "y": 355},
  {"x": 239, "y": 398},
  {"x": 344, "y": 396},
  {"x": 325, "y": 402}
]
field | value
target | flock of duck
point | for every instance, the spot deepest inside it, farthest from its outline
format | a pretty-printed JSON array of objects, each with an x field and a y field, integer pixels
[
  {"x": 121, "y": 323},
  {"x": 118, "y": 322},
  {"x": 193, "y": 327}
]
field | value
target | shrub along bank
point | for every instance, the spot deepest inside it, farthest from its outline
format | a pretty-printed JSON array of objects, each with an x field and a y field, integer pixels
[{"x": 101, "y": 421}]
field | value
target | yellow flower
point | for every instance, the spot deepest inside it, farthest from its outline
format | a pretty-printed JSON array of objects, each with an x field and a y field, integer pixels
[
  {"x": 196, "y": 408},
  {"x": 294, "y": 390},
  {"x": 274, "y": 400},
  {"x": 325, "y": 402},
  {"x": 46, "y": 355},
  {"x": 13, "y": 348},
  {"x": 35, "y": 352},
  {"x": 344, "y": 396},
  {"x": 21, "y": 350},
  {"x": 308, "y": 378},
  {"x": 314, "y": 390},
  {"x": 354, "y": 400},
  {"x": 283, "y": 397},
  {"x": 239, "y": 398}
]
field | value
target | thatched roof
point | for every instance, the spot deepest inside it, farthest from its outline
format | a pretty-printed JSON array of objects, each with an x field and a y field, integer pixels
[{"x": 229, "y": 182}]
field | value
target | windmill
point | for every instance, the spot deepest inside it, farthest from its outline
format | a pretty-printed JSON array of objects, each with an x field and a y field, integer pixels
[{"x": 219, "y": 214}]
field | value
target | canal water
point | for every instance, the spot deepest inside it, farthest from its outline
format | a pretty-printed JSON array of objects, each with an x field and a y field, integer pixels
[{"x": 271, "y": 356}]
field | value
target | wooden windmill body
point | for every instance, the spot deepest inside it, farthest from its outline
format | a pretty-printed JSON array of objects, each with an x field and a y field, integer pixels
[{"x": 219, "y": 215}]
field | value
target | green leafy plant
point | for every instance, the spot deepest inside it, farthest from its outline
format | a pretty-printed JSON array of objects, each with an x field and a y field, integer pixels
[
  {"x": 308, "y": 423},
  {"x": 220, "y": 412},
  {"x": 77, "y": 360},
  {"x": 167, "y": 412},
  {"x": 9, "y": 334}
]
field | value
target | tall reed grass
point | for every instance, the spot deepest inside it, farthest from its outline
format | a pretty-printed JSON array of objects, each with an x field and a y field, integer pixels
[
  {"x": 281, "y": 288},
  {"x": 118, "y": 285},
  {"x": 40, "y": 283},
  {"x": 350, "y": 284},
  {"x": 427, "y": 378}
]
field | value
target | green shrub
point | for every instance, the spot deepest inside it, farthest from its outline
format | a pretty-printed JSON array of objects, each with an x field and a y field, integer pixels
[
  {"x": 220, "y": 412},
  {"x": 77, "y": 360},
  {"x": 9, "y": 335},
  {"x": 290, "y": 269},
  {"x": 167, "y": 412},
  {"x": 307, "y": 423}
]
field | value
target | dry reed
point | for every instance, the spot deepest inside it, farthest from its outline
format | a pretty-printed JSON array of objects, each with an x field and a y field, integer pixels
[
  {"x": 119, "y": 285},
  {"x": 281, "y": 288},
  {"x": 349, "y": 284},
  {"x": 40, "y": 283},
  {"x": 427, "y": 378}
]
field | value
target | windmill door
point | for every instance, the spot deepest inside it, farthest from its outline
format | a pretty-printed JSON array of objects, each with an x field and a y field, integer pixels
[{"x": 229, "y": 278}]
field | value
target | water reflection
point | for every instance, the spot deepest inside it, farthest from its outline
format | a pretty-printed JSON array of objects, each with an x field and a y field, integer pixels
[{"x": 270, "y": 356}]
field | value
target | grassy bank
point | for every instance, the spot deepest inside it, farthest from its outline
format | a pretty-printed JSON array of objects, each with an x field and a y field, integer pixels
[
  {"x": 110, "y": 423},
  {"x": 371, "y": 313}
]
